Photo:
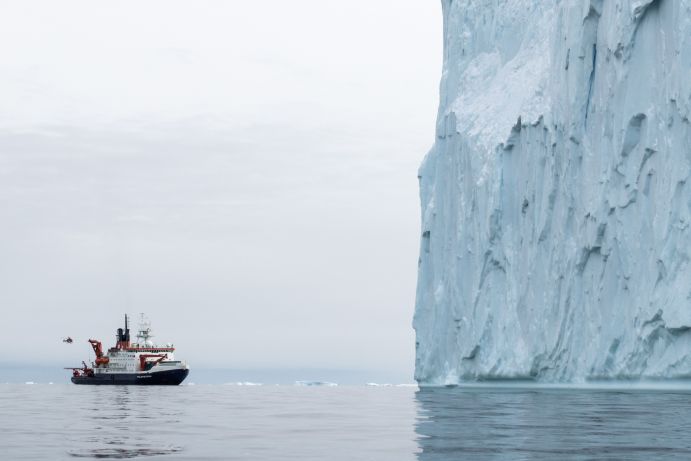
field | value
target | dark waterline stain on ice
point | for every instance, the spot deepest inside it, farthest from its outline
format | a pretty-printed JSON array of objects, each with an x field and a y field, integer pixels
[{"x": 591, "y": 80}]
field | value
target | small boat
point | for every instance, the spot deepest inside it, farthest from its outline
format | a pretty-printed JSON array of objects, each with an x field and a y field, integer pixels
[{"x": 140, "y": 363}]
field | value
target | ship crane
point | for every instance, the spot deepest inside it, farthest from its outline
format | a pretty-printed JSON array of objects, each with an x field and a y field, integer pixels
[
  {"x": 98, "y": 350},
  {"x": 143, "y": 363},
  {"x": 83, "y": 371}
]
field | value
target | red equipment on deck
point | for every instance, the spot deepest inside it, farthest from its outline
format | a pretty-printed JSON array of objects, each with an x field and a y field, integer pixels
[
  {"x": 143, "y": 357},
  {"x": 98, "y": 350},
  {"x": 84, "y": 371}
]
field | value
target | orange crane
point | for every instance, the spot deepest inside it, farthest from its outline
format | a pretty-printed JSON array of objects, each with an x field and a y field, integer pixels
[
  {"x": 143, "y": 363},
  {"x": 98, "y": 350}
]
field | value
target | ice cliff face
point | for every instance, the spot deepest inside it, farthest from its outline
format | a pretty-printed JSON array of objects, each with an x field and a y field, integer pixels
[{"x": 556, "y": 201}]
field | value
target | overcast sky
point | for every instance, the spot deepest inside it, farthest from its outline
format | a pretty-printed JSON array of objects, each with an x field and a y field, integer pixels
[{"x": 242, "y": 171}]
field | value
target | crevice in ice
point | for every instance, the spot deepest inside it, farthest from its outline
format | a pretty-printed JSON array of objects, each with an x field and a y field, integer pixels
[
  {"x": 611, "y": 355},
  {"x": 642, "y": 7},
  {"x": 632, "y": 135},
  {"x": 514, "y": 136},
  {"x": 568, "y": 57},
  {"x": 596, "y": 6},
  {"x": 631, "y": 197},
  {"x": 473, "y": 353},
  {"x": 591, "y": 80},
  {"x": 655, "y": 321},
  {"x": 425, "y": 241},
  {"x": 591, "y": 24},
  {"x": 647, "y": 155},
  {"x": 539, "y": 367}
]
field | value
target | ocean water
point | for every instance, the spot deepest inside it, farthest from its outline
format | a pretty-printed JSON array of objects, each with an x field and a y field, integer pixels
[{"x": 231, "y": 422}]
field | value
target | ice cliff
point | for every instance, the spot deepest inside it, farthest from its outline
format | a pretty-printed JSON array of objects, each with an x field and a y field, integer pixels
[{"x": 556, "y": 201}]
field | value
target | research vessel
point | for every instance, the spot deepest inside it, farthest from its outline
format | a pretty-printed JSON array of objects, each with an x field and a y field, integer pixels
[{"x": 140, "y": 363}]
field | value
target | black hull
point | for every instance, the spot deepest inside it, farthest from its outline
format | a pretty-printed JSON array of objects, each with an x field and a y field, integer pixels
[{"x": 157, "y": 378}]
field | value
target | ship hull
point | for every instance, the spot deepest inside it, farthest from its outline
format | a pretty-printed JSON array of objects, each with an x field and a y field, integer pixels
[{"x": 158, "y": 378}]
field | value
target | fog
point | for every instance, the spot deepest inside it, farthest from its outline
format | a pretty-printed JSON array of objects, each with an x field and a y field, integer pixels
[{"x": 243, "y": 172}]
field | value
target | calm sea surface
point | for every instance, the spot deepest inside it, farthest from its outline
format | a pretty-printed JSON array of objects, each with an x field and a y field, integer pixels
[{"x": 223, "y": 422}]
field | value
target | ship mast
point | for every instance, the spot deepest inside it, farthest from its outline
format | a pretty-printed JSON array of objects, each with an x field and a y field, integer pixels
[{"x": 144, "y": 333}]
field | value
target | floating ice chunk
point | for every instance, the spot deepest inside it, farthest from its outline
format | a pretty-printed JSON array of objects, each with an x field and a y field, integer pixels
[
  {"x": 243, "y": 383},
  {"x": 315, "y": 383}
]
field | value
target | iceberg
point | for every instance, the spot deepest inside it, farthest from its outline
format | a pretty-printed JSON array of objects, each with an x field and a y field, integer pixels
[{"x": 556, "y": 201}]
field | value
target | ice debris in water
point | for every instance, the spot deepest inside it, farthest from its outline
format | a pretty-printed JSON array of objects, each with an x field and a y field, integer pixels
[
  {"x": 244, "y": 383},
  {"x": 315, "y": 383},
  {"x": 556, "y": 200}
]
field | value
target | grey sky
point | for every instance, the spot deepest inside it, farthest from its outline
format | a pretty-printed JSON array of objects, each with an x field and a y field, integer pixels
[{"x": 244, "y": 172}]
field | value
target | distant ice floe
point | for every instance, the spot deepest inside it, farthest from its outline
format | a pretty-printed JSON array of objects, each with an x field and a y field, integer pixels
[
  {"x": 243, "y": 383},
  {"x": 29, "y": 382},
  {"x": 315, "y": 383},
  {"x": 391, "y": 385}
]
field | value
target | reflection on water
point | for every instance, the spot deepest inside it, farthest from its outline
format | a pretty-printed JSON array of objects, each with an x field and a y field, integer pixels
[
  {"x": 205, "y": 422},
  {"x": 189, "y": 423},
  {"x": 122, "y": 453},
  {"x": 550, "y": 424},
  {"x": 121, "y": 423}
]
